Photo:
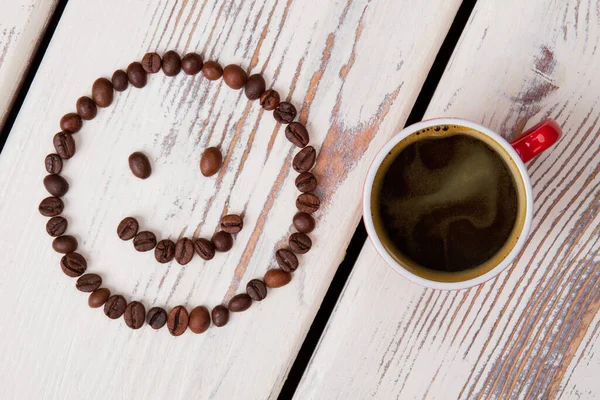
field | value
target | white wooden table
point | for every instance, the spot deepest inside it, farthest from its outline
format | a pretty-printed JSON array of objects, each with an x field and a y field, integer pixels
[
  {"x": 22, "y": 24},
  {"x": 355, "y": 69}
]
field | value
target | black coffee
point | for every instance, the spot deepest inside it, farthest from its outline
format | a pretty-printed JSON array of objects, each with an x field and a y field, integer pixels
[{"x": 448, "y": 203}]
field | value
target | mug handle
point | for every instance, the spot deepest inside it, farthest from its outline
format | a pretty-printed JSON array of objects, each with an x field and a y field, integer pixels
[{"x": 537, "y": 139}]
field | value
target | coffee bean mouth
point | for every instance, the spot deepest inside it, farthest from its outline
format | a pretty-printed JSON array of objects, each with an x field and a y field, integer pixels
[{"x": 182, "y": 250}]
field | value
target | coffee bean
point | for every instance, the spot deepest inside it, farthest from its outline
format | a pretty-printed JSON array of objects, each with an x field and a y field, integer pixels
[
  {"x": 308, "y": 203},
  {"x": 255, "y": 87},
  {"x": 71, "y": 123},
  {"x": 135, "y": 315},
  {"x": 73, "y": 264},
  {"x": 234, "y": 76},
  {"x": 171, "y": 64},
  {"x": 127, "y": 228},
  {"x": 120, "y": 80},
  {"x": 199, "y": 319},
  {"x": 232, "y": 223},
  {"x": 87, "y": 108},
  {"x": 297, "y": 134},
  {"x": 64, "y": 145},
  {"x": 204, "y": 248},
  {"x": 56, "y": 226},
  {"x": 275, "y": 278},
  {"x": 306, "y": 182},
  {"x": 191, "y": 63},
  {"x": 210, "y": 162},
  {"x": 284, "y": 113},
  {"x": 98, "y": 297},
  {"x": 144, "y": 241},
  {"x": 178, "y": 320},
  {"x": 156, "y": 317},
  {"x": 269, "y": 100},
  {"x": 212, "y": 70},
  {"x": 287, "y": 260},
  {"x": 256, "y": 289},
  {"x": 184, "y": 251},
  {"x": 140, "y": 165},
  {"x": 164, "y": 251},
  {"x": 102, "y": 92},
  {"x": 240, "y": 302},
  {"x": 151, "y": 63},
  {"x": 220, "y": 315},
  {"x": 88, "y": 283},
  {"x": 53, "y": 163},
  {"x": 115, "y": 306},
  {"x": 304, "y": 222},
  {"x": 137, "y": 75},
  {"x": 223, "y": 241},
  {"x": 64, "y": 244},
  {"x": 51, "y": 206},
  {"x": 56, "y": 185},
  {"x": 300, "y": 243},
  {"x": 305, "y": 159}
]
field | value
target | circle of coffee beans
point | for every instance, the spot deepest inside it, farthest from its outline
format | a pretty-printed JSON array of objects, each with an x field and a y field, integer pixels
[{"x": 178, "y": 319}]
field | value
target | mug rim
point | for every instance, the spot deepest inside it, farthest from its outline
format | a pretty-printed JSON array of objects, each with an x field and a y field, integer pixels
[{"x": 368, "y": 219}]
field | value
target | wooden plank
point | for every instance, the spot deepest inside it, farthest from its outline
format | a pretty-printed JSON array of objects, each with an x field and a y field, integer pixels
[
  {"x": 581, "y": 379},
  {"x": 534, "y": 331},
  {"x": 355, "y": 81},
  {"x": 21, "y": 28}
]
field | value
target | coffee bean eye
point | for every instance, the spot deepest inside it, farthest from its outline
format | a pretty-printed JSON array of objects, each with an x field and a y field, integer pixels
[
  {"x": 183, "y": 249},
  {"x": 140, "y": 165},
  {"x": 210, "y": 162}
]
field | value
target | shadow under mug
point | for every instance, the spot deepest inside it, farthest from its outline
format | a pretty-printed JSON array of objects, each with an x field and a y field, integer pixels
[{"x": 528, "y": 145}]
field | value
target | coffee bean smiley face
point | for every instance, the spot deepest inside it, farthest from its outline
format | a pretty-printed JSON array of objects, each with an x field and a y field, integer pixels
[{"x": 180, "y": 252}]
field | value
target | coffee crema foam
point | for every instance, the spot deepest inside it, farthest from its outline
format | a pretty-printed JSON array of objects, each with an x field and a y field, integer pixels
[{"x": 448, "y": 202}]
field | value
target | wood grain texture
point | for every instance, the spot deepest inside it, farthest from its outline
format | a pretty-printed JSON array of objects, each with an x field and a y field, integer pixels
[
  {"x": 533, "y": 332},
  {"x": 22, "y": 25},
  {"x": 352, "y": 84}
]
